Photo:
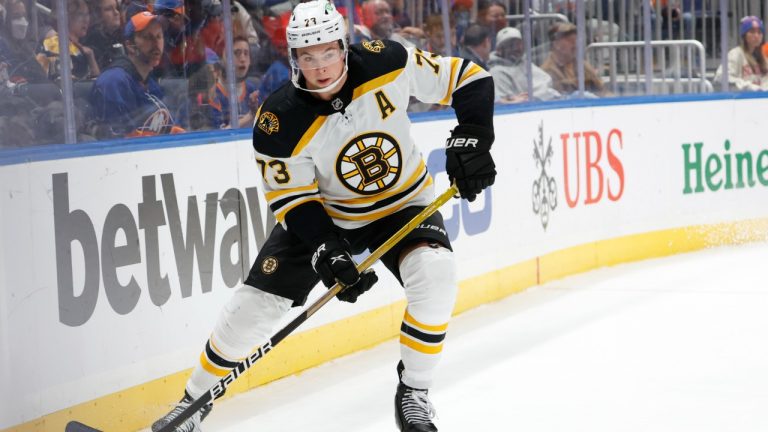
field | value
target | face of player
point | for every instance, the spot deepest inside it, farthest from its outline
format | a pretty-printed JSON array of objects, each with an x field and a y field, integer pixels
[
  {"x": 242, "y": 54},
  {"x": 321, "y": 65},
  {"x": 149, "y": 44}
]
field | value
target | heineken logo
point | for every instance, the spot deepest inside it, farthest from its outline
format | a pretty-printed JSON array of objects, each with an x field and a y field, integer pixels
[{"x": 726, "y": 170}]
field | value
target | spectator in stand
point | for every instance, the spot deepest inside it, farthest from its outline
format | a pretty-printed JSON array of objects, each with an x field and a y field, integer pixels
[
  {"x": 433, "y": 29},
  {"x": 492, "y": 14},
  {"x": 196, "y": 110},
  {"x": 399, "y": 14},
  {"x": 125, "y": 99},
  {"x": 242, "y": 23},
  {"x": 403, "y": 29},
  {"x": 476, "y": 45},
  {"x": 104, "y": 34},
  {"x": 17, "y": 46},
  {"x": 279, "y": 72},
  {"x": 377, "y": 20},
  {"x": 400, "y": 17},
  {"x": 341, "y": 6},
  {"x": 378, "y": 24},
  {"x": 679, "y": 17},
  {"x": 18, "y": 67},
  {"x": 83, "y": 59},
  {"x": 129, "y": 8},
  {"x": 247, "y": 93},
  {"x": 561, "y": 63},
  {"x": 509, "y": 71},
  {"x": 191, "y": 28},
  {"x": 182, "y": 48},
  {"x": 747, "y": 68},
  {"x": 461, "y": 10},
  {"x": 211, "y": 27},
  {"x": 176, "y": 23}
]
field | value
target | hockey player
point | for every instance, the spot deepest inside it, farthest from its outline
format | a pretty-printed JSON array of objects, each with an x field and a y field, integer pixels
[{"x": 341, "y": 174}]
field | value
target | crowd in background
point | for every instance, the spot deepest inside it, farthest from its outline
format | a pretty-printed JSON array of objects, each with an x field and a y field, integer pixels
[{"x": 152, "y": 67}]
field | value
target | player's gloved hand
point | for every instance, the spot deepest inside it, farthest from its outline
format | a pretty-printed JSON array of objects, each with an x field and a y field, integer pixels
[
  {"x": 332, "y": 261},
  {"x": 468, "y": 159}
]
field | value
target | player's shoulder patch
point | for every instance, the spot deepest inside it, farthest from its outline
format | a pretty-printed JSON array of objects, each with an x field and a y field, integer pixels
[
  {"x": 281, "y": 122},
  {"x": 379, "y": 57},
  {"x": 374, "y": 46},
  {"x": 268, "y": 122}
]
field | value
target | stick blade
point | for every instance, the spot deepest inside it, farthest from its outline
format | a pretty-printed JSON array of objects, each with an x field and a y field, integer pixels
[{"x": 76, "y": 426}]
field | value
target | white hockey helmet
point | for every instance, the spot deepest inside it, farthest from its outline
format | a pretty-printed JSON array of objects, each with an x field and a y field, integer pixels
[{"x": 313, "y": 23}]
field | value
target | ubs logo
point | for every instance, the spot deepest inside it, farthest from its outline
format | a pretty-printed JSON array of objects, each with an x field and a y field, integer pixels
[
  {"x": 369, "y": 163},
  {"x": 544, "y": 194}
]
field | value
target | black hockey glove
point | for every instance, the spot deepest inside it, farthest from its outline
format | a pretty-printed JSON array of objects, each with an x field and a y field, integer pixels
[
  {"x": 468, "y": 159},
  {"x": 332, "y": 261}
]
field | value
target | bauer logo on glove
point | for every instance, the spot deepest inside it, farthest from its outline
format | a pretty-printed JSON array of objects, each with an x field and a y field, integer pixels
[
  {"x": 461, "y": 142},
  {"x": 468, "y": 160}
]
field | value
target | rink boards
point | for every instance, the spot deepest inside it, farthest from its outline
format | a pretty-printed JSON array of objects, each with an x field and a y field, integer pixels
[{"x": 114, "y": 263}]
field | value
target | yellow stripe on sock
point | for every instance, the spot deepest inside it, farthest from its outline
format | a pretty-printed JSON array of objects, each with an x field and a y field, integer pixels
[
  {"x": 432, "y": 328},
  {"x": 420, "y": 347},
  {"x": 210, "y": 367}
]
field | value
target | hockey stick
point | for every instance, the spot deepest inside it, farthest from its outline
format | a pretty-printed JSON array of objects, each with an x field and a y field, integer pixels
[{"x": 261, "y": 351}]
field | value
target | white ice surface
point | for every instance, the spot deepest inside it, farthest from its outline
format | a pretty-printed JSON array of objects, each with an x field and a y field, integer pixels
[{"x": 676, "y": 344}]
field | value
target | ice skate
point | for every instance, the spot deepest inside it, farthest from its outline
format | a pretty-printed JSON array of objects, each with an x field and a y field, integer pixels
[
  {"x": 192, "y": 424},
  {"x": 413, "y": 410}
]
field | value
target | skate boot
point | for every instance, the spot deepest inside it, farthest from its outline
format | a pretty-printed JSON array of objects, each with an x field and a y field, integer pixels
[
  {"x": 413, "y": 410},
  {"x": 192, "y": 424}
]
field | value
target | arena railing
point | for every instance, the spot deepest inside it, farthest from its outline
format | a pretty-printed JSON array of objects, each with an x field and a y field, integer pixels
[{"x": 686, "y": 72}]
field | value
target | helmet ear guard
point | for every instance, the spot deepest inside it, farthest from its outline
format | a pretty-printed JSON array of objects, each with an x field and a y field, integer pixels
[{"x": 315, "y": 23}]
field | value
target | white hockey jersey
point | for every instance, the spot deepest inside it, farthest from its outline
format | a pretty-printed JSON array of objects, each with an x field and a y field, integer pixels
[{"x": 354, "y": 154}]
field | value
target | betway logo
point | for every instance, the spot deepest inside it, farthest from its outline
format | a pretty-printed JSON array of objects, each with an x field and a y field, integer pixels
[
  {"x": 723, "y": 171},
  {"x": 103, "y": 255}
]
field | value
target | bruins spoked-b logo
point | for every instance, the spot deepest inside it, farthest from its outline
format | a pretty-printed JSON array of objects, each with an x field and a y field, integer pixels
[
  {"x": 369, "y": 163},
  {"x": 269, "y": 265}
]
